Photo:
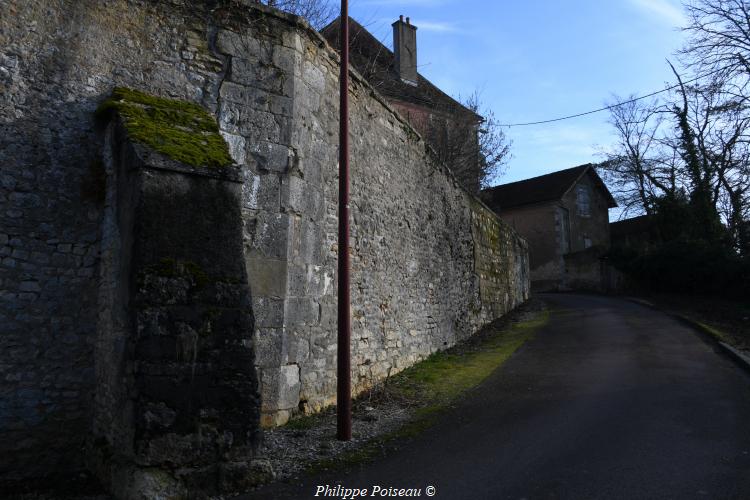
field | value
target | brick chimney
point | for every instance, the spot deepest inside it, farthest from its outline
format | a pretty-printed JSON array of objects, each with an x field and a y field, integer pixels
[{"x": 405, "y": 49}]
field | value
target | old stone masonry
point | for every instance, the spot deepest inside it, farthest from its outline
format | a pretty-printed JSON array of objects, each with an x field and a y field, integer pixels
[{"x": 168, "y": 262}]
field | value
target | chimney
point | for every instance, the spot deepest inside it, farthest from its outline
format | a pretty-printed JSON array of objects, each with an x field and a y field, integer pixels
[{"x": 405, "y": 49}]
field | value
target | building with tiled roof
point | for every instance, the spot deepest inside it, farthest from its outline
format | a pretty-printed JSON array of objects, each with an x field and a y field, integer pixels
[
  {"x": 565, "y": 218},
  {"x": 447, "y": 125}
]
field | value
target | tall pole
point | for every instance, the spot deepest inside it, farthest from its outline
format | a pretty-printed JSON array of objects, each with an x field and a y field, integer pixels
[{"x": 344, "y": 383}]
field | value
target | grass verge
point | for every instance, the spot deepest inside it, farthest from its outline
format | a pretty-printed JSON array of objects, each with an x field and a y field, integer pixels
[
  {"x": 726, "y": 320},
  {"x": 432, "y": 386}
]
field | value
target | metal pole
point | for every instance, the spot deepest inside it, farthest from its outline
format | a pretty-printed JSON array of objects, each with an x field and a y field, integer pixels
[{"x": 344, "y": 383}]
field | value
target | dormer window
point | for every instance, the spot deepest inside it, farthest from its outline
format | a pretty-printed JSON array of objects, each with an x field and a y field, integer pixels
[{"x": 583, "y": 200}]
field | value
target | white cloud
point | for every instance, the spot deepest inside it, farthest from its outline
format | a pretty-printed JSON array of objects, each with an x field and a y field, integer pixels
[
  {"x": 423, "y": 25},
  {"x": 669, "y": 11},
  {"x": 437, "y": 27}
]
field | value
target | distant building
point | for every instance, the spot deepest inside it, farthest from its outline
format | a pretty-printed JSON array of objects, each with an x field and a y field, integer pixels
[
  {"x": 564, "y": 217},
  {"x": 448, "y": 126},
  {"x": 637, "y": 233}
]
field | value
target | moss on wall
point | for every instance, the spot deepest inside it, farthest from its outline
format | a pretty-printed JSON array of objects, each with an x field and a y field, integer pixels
[
  {"x": 181, "y": 130},
  {"x": 171, "y": 268},
  {"x": 492, "y": 255}
]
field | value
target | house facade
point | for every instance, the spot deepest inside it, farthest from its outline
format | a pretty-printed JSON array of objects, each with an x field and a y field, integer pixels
[
  {"x": 564, "y": 217},
  {"x": 450, "y": 128}
]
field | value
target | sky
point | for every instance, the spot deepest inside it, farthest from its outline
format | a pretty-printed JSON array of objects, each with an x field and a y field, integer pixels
[{"x": 539, "y": 59}]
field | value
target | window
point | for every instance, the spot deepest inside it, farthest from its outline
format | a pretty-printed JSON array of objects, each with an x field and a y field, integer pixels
[
  {"x": 565, "y": 231},
  {"x": 586, "y": 242},
  {"x": 583, "y": 201}
]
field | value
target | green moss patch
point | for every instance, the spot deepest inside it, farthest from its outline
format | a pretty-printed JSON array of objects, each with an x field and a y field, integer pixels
[
  {"x": 170, "y": 268},
  {"x": 714, "y": 332},
  {"x": 444, "y": 376},
  {"x": 180, "y": 130}
]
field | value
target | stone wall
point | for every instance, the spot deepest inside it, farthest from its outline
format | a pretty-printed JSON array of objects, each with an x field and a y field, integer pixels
[
  {"x": 430, "y": 263},
  {"x": 422, "y": 278},
  {"x": 58, "y": 60}
]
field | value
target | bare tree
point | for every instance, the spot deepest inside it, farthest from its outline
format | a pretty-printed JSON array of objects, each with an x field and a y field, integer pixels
[
  {"x": 706, "y": 154},
  {"x": 719, "y": 41},
  {"x": 472, "y": 143},
  {"x": 494, "y": 146},
  {"x": 317, "y": 12},
  {"x": 712, "y": 133},
  {"x": 639, "y": 169}
]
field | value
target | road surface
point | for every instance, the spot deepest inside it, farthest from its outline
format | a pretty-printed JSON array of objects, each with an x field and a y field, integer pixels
[{"x": 610, "y": 400}]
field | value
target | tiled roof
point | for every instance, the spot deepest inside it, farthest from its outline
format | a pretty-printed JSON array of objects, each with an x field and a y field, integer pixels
[
  {"x": 540, "y": 189},
  {"x": 376, "y": 63},
  {"x": 635, "y": 225}
]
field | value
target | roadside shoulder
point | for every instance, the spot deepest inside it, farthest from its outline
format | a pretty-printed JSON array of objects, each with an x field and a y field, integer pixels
[{"x": 714, "y": 334}]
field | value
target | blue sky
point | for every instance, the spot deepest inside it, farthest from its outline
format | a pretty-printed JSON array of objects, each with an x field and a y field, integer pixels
[{"x": 534, "y": 60}]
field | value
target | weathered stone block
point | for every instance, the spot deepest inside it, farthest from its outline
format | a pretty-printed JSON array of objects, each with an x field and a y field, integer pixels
[
  {"x": 311, "y": 248},
  {"x": 301, "y": 198},
  {"x": 234, "y": 44},
  {"x": 313, "y": 76},
  {"x": 292, "y": 40},
  {"x": 236, "y": 145},
  {"x": 267, "y": 235},
  {"x": 267, "y": 276},
  {"x": 297, "y": 280},
  {"x": 257, "y": 99},
  {"x": 269, "y": 156},
  {"x": 280, "y": 388},
  {"x": 290, "y": 386},
  {"x": 297, "y": 349},
  {"x": 254, "y": 125},
  {"x": 271, "y": 78},
  {"x": 261, "y": 191},
  {"x": 301, "y": 311},
  {"x": 270, "y": 311},
  {"x": 269, "y": 348}
]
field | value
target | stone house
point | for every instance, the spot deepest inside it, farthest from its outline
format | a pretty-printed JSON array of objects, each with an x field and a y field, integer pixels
[
  {"x": 449, "y": 127},
  {"x": 564, "y": 217}
]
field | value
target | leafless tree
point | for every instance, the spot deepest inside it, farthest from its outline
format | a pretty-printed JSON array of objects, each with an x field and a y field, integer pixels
[
  {"x": 317, "y": 12},
  {"x": 706, "y": 153},
  {"x": 638, "y": 169},
  {"x": 719, "y": 42},
  {"x": 713, "y": 137},
  {"x": 476, "y": 150},
  {"x": 494, "y": 146}
]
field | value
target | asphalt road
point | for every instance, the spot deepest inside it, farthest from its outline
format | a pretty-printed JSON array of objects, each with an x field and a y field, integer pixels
[{"x": 611, "y": 400}]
